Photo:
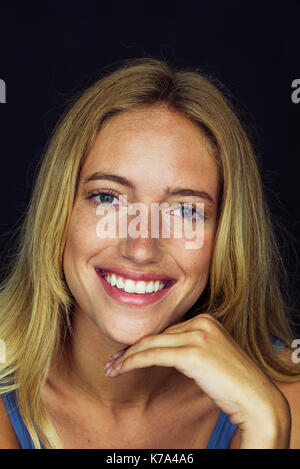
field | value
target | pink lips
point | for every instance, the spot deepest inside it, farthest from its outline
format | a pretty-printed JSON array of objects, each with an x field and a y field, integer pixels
[
  {"x": 134, "y": 275},
  {"x": 135, "y": 299}
]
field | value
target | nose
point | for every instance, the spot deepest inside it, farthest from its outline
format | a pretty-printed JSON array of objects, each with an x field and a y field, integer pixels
[
  {"x": 139, "y": 247},
  {"x": 140, "y": 251}
]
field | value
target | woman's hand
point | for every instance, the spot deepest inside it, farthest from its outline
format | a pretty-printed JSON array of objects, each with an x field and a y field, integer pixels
[{"x": 202, "y": 349}]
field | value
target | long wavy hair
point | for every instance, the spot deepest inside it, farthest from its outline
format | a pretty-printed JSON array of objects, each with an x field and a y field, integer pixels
[{"x": 243, "y": 291}]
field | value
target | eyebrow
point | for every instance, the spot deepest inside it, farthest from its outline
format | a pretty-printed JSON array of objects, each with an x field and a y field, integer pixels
[
  {"x": 109, "y": 177},
  {"x": 125, "y": 182}
]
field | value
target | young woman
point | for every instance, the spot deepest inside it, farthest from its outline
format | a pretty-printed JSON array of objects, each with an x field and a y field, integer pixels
[{"x": 140, "y": 341}]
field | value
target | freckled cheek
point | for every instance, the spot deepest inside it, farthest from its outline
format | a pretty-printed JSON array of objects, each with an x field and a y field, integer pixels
[
  {"x": 83, "y": 242},
  {"x": 197, "y": 263}
]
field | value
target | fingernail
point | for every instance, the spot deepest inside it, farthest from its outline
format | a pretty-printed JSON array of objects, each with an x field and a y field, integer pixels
[
  {"x": 115, "y": 371},
  {"x": 119, "y": 366},
  {"x": 108, "y": 371},
  {"x": 108, "y": 364},
  {"x": 117, "y": 354}
]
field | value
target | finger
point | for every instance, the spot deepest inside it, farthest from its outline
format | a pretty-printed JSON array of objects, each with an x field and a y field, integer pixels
[
  {"x": 118, "y": 354},
  {"x": 174, "y": 329},
  {"x": 187, "y": 338},
  {"x": 159, "y": 356},
  {"x": 152, "y": 341},
  {"x": 191, "y": 339}
]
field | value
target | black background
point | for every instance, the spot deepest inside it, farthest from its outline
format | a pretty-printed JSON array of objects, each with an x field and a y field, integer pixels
[{"x": 49, "y": 50}]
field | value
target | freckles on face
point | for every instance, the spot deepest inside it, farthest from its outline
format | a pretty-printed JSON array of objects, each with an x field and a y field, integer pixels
[
  {"x": 157, "y": 153},
  {"x": 81, "y": 246}
]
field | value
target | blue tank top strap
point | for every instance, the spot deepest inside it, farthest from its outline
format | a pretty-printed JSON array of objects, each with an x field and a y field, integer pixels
[
  {"x": 11, "y": 404},
  {"x": 222, "y": 434}
]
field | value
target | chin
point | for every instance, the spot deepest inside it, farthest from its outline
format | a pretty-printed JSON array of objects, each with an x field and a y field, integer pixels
[
  {"x": 125, "y": 338},
  {"x": 129, "y": 334}
]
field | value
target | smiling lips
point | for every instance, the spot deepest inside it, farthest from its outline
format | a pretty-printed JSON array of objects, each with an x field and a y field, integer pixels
[
  {"x": 134, "y": 288},
  {"x": 130, "y": 286}
]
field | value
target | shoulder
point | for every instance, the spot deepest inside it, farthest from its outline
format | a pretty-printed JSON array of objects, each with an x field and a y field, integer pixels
[
  {"x": 291, "y": 391},
  {"x": 8, "y": 438}
]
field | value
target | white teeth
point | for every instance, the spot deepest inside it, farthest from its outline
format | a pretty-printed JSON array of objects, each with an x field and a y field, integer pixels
[
  {"x": 130, "y": 286},
  {"x": 141, "y": 287},
  {"x": 113, "y": 280},
  {"x": 120, "y": 283},
  {"x": 150, "y": 287}
]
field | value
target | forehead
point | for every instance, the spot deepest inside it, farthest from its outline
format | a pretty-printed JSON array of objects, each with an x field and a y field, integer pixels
[{"x": 161, "y": 144}]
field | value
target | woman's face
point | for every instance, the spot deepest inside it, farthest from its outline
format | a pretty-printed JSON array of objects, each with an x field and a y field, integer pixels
[{"x": 148, "y": 156}]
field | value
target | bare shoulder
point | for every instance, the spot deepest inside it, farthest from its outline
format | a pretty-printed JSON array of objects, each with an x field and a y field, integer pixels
[
  {"x": 8, "y": 438},
  {"x": 291, "y": 391}
]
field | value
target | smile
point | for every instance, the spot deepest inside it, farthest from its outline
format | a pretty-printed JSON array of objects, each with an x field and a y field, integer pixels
[
  {"x": 134, "y": 292},
  {"x": 130, "y": 286}
]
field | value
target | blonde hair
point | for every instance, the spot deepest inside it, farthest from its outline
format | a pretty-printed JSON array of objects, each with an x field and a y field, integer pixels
[{"x": 243, "y": 291}]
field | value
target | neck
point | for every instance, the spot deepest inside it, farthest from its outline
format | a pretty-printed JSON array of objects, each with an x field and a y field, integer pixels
[{"x": 82, "y": 366}]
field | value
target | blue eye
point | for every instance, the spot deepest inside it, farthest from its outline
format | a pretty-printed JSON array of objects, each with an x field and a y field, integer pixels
[
  {"x": 187, "y": 211},
  {"x": 190, "y": 213},
  {"x": 105, "y": 198}
]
